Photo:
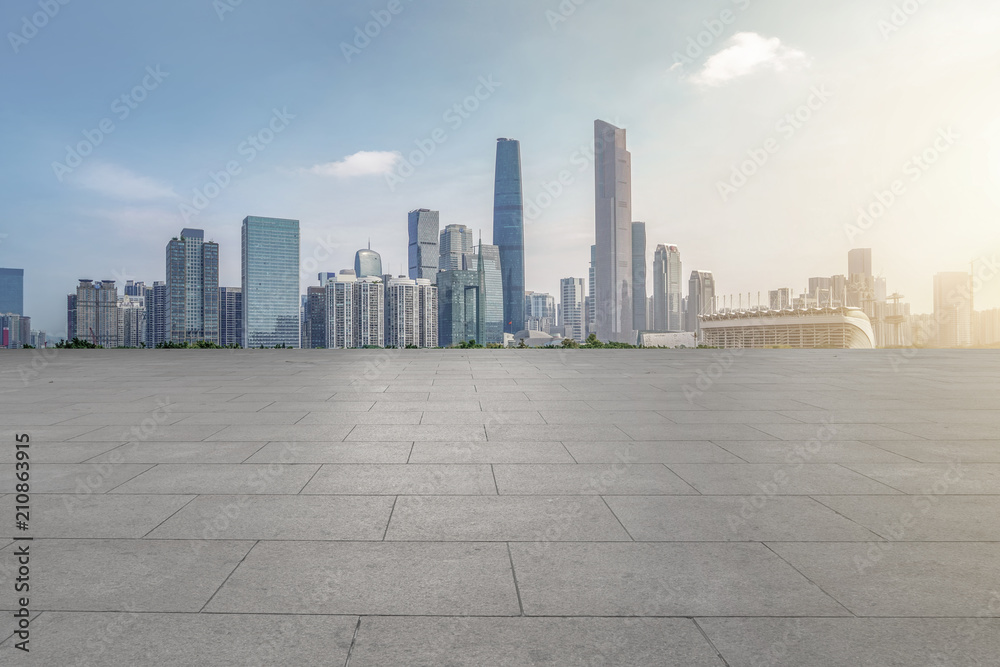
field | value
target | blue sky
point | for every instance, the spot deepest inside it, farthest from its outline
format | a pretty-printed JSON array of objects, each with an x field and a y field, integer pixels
[{"x": 884, "y": 85}]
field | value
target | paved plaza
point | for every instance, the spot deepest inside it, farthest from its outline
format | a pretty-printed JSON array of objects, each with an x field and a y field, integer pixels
[{"x": 504, "y": 507}]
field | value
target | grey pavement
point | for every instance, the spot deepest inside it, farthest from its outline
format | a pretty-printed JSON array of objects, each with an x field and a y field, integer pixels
[{"x": 509, "y": 507}]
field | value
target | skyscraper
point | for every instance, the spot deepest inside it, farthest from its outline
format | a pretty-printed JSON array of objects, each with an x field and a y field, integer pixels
[
  {"x": 540, "y": 312},
  {"x": 667, "y": 289},
  {"x": 424, "y": 226},
  {"x": 571, "y": 308},
  {"x": 458, "y": 307},
  {"x": 456, "y": 243},
  {"x": 489, "y": 265},
  {"x": 411, "y": 313},
  {"x": 192, "y": 288},
  {"x": 367, "y": 263},
  {"x": 132, "y": 320},
  {"x": 270, "y": 273},
  {"x": 12, "y": 291},
  {"x": 157, "y": 321},
  {"x": 860, "y": 279},
  {"x": 133, "y": 288},
  {"x": 953, "y": 309},
  {"x": 230, "y": 316},
  {"x": 369, "y": 313},
  {"x": 592, "y": 292},
  {"x": 96, "y": 312},
  {"x": 780, "y": 299},
  {"x": 613, "y": 205},
  {"x": 701, "y": 298},
  {"x": 508, "y": 231},
  {"x": 70, "y": 316},
  {"x": 640, "y": 321}
]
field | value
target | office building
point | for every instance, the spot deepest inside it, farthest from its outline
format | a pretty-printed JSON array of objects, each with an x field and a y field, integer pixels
[
  {"x": 192, "y": 288},
  {"x": 96, "y": 312},
  {"x": 12, "y": 291},
  {"x": 667, "y": 289},
  {"x": 132, "y": 320},
  {"x": 70, "y": 316},
  {"x": 508, "y": 231},
  {"x": 458, "y": 307},
  {"x": 39, "y": 339},
  {"x": 367, "y": 263},
  {"x": 639, "y": 293},
  {"x": 780, "y": 299},
  {"x": 133, "y": 288},
  {"x": 270, "y": 274},
  {"x": 821, "y": 291},
  {"x": 230, "y": 316},
  {"x": 592, "y": 292},
  {"x": 157, "y": 320},
  {"x": 953, "y": 308},
  {"x": 571, "y": 308},
  {"x": 456, "y": 243},
  {"x": 860, "y": 279},
  {"x": 988, "y": 327},
  {"x": 613, "y": 226},
  {"x": 540, "y": 312},
  {"x": 424, "y": 232},
  {"x": 701, "y": 298},
  {"x": 15, "y": 331},
  {"x": 491, "y": 312}
]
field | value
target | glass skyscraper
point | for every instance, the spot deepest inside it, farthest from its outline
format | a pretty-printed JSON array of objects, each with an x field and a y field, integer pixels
[
  {"x": 639, "y": 321},
  {"x": 458, "y": 307},
  {"x": 192, "y": 288},
  {"x": 12, "y": 291},
  {"x": 613, "y": 205},
  {"x": 230, "y": 316},
  {"x": 456, "y": 243},
  {"x": 667, "y": 289},
  {"x": 508, "y": 231},
  {"x": 424, "y": 227},
  {"x": 367, "y": 264},
  {"x": 491, "y": 313},
  {"x": 701, "y": 299},
  {"x": 270, "y": 270}
]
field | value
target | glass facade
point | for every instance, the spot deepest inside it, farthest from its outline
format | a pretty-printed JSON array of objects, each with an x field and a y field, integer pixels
[
  {"x": 639, "y": 322},
  {"x": 456, "y": 243},
  {"x": 508, "y": 231},
  {"x": 492, "y": 302},
  {"x": 230, "y": 316},
  {"x": 424, "y": 228},
  {"x": 270, "y": 270},
  {"x": 613, "y": 206},
  {"x": 12, "y": 291},
  {"x": 367, "y": 264},
  {"x": 458, "y": 307},
  {"x": 667, "y": 289}
]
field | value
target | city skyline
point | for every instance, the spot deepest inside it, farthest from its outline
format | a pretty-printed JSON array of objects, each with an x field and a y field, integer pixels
[{"x": 807, "y": 194}]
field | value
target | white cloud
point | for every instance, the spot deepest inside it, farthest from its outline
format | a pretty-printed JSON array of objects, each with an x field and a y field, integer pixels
[
  {"x": 746, "y": 53},
  {"x": 120, "y": 183},
  {"x": 363, "y": 163}
]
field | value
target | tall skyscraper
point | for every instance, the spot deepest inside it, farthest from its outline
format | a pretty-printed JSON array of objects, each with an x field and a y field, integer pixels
[
  {"x": 667, "y": 289},
  {"x": 70, "y": 316},
  {"x": 133, "y": 288},
  {"x": 571, "y": 308},
  {"x": 424, "y": 229},
  {"x": 97, "y": 312},
  {"x": 270, "y": 273},
  {"x": 367, "y": 263},
  {"x": 12, "y": 291},
  {"x": 369, "y": 313},
  {"x": 489, "y": 265},
  {"x": 132, "y": 320},
  {"x": 540, "y": 312},
  {"x": 860, "y": 279},
  {"x": 640, "y": 320},
  {"x": 15, "y": 331},
  {"x": 193, "y": 288},
  {"x": 456, "y": 243},
  {"x": 230, "y": 316},
  {"x": 157, "y": 320},
  {"x": 953, "y": 309},
  {"x": 508, "y": 231},
  {"x": 701, "y": 298},
  {"x": 613, "y": 192}
]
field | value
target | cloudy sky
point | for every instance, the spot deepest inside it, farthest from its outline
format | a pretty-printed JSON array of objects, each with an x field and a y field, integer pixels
[{"x": 758, "y": 130}]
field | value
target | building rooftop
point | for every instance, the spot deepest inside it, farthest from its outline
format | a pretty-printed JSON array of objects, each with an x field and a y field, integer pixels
[{"x": 507, "y": 507}]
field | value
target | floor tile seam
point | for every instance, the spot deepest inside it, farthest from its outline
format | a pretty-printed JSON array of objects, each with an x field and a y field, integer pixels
[
  {"x": 767, "y": 545},
  {"x": 236, "y": 567},
  {"x": 172, "y": 514},
  {"x": 848, "y": 467}
]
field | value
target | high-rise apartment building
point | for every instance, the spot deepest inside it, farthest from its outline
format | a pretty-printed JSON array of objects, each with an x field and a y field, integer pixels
[
  {"x": 230, "y": 316},
  {"x": 192, "y": 288},
  {"x": 953, "y": 309},
  {"x": 701, "y": 298},
  {"x": 133, "y": 288},
  {"x": 411, "y": 313},
  {"x": 70, "y": 316},
  {"x": 508, "y": 231},
  {"x": 12, "y": 291},
  {"x": 540, "y": 312},
  {"x": 15, "y": 331},
  {"x": 369, "y": 313},
  {"x": 456, "y": 243},
  {"x": 424, "y": 231},
  {"x": 270, "y": 273},
  {"x": 667, "y": 289},
  {"x": 613, "y": 193},
  {"x": 96, "y": 314},
  {"x": 592, "y": 292},
  {"x": 367, "y": 263},
  {"x": 157, "y": 316},
  {"x": 132, "y": 320},
  {"x": 640, "y": 320},
  {"x": 571, "y": 308}
]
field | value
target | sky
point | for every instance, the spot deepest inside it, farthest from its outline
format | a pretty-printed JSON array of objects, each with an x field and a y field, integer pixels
[{"x": 760, "y": 131}]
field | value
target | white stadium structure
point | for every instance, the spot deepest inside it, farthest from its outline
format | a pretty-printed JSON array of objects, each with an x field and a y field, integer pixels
[{"x": 839, "y": 328}]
